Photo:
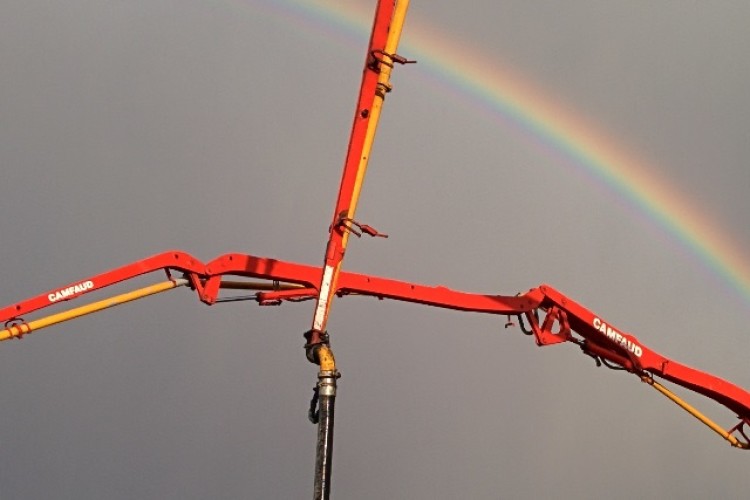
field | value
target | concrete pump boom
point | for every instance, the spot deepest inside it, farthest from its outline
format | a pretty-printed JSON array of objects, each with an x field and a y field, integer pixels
[{"x": 543, "y": 312}]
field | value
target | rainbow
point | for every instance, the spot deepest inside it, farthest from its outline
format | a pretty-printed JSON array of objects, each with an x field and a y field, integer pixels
[{"x": 501, "y": 91}]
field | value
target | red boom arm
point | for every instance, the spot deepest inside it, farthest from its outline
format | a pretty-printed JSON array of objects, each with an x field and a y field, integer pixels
[{"x": 552, "y": 318}]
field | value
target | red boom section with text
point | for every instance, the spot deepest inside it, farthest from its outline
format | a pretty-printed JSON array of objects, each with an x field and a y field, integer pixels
[{"x": 542, "y": 312}]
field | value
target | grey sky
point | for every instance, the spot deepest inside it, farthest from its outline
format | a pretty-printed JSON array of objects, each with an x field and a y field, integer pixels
[{"x": 129, "y": 128}]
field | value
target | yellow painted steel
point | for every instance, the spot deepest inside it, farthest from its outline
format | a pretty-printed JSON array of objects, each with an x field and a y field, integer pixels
[
  {"x": 24, "y": 328},
  {"x": 384, "y": 85},
  {"x": 326, "y": 360},
  {"x": 696, "y": 413}
]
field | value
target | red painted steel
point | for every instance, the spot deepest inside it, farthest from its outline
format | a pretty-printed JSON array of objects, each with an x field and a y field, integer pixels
[
  {"x": 561, "y": 316},
  {"x": 168, "y": 260},
  {"x": 336, "y": 246}
]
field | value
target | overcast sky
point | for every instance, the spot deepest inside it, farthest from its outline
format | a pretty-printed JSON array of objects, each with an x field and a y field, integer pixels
[{"x": 130, "y": 128}]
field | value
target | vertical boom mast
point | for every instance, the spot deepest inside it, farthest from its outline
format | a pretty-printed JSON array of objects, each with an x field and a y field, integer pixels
[
  {"x": 379, "y": 61},
  {"x": 381, "y": 56}
]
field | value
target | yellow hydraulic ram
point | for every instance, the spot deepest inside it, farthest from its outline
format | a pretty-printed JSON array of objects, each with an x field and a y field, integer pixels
[
  {"x": 696, "y": 413},
  {"x": 386, "y": 32},
  {"x": 20, "y": 329},
  {"x": 384, "y": 86},
  {"x": 356, "y": 166}
]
